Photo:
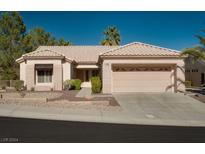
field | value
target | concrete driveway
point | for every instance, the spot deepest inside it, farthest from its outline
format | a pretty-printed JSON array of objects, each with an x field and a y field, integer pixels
[
  {"x": 135, "y": 108},
  {"x": 162, "y": 108}
]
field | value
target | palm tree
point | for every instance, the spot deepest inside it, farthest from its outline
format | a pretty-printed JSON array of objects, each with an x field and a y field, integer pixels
[
  {"x": 198, "y": 52},
  {"x": 112, "y": 36}
]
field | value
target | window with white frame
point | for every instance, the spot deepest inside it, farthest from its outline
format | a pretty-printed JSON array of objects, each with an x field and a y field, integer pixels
[{"x": 44, "y": 76}]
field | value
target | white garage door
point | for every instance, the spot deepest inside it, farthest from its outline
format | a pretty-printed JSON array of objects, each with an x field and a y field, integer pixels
[{"x": 135, "y": 78}]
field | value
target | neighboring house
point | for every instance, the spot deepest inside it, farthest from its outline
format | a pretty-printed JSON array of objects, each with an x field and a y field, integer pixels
[
  {"x": 135, "y": 67},
  {"x": 195, "y": 71}
]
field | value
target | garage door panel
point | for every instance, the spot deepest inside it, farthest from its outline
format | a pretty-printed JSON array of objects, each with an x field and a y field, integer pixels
[
  {"x": 141, "y": 75},
  {"x": 154, "y": 81},
  {"x": 140, "y": 89}
]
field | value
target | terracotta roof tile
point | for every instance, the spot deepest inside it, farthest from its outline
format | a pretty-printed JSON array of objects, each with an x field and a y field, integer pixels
[
  {"x": 140, "y": 49},
  {"x": 43, "y": 53},
  {"x": 79, "y": 53},
  {"x": 89, "y": 54}
]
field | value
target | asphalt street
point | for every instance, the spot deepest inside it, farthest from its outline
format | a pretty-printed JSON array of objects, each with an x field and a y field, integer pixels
[{"x": 34, "y": 130}]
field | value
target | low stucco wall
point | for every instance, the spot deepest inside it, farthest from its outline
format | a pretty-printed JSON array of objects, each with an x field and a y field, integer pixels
[
  {"x": 24, "y": 100},
  {"x": 107, "y": 71},
  {"x": 48, "y": 87}
]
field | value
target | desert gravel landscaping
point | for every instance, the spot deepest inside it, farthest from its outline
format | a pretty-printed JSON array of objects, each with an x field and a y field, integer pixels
[
  {"x": 71, "y": 96},
  {"x": 65, "y": 99},
  {"x": 103, "y": 105}
]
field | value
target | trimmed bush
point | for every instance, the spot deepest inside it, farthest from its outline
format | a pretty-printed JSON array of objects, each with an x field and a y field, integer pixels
[
  {"x": 77, "y": 84},
  {"x": 19, "y": 85},
  {"x": 96, "y": 84},
  {"x": 72, "y": 84}
]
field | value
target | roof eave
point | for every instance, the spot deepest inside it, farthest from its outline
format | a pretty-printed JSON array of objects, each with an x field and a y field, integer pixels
[
  {"x": 137, "y": 56},
  {"x": 20, "y": 60},
  {"x": 23, "y": 58},
  {"x": 140, "y": 43},
  {"x": 43, "y": 57},
  {"x": 87, "y": 62}
]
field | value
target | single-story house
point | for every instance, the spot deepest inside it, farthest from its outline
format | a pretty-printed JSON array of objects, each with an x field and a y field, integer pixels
[
  {"x": 135, "y": 67},
  {"x": 195, "y": 71}
]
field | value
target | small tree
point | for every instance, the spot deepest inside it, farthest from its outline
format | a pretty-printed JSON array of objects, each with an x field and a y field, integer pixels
[{"x": 12, "y": 31}]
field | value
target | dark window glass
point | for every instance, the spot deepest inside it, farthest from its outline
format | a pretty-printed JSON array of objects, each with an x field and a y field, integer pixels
[
  {"x": 95, "y": 73},
  {"x": 44, "y": 76},
  {"x": 202, "y": 78}
]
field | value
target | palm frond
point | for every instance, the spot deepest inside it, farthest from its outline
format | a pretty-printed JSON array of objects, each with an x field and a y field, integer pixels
[
  {"x": 112, "y": 36},
  {"x": 201, "y": 39},
  {"x": 195, "y": 53}
]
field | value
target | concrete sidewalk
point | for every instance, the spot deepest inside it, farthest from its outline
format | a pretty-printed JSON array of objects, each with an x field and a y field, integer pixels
[{"x": 109, "y": 115}]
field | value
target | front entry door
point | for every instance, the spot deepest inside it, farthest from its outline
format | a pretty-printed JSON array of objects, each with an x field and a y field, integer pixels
[
  {"x": 86, "y": 82},
  {"x": 87, "y": 76}
]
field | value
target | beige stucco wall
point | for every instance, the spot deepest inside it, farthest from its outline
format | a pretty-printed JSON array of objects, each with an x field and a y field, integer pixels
[
  {"x": 66, "y": 71},
  {"x": 180, "y": 76},
  {"x": 57, "y": 75},
  {"x": 30, "y": 76},
  {"x": 107, "y": 71},
  {"x": 23, "y": 72},
  {"x": 193, "y": 76}
]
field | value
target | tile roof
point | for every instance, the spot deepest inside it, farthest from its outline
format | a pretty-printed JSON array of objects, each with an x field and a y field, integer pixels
[
  {"x": 43, "y": 53},
  {"x": 79, "y": 53},
  {"x": 90, "y": 54},
  {"x": 141, "y": 49}
]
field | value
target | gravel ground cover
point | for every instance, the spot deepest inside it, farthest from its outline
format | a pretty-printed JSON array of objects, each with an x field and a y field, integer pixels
[
  {"x": 64, "y": 99},
  {"x": 70, "y": 95}
]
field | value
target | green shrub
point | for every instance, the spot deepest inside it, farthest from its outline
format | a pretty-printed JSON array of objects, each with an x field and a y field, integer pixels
[
  {"x": 188, "y": 83},
  {"x": 77, "y": 84},
  {"x": 19, "y": 84},
  {"x": 72, "y": 84},
  {"x": 96, "y": 84}
]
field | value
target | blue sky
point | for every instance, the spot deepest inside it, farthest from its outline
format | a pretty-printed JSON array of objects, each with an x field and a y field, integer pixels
[{"x": 174, "y": 30}]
